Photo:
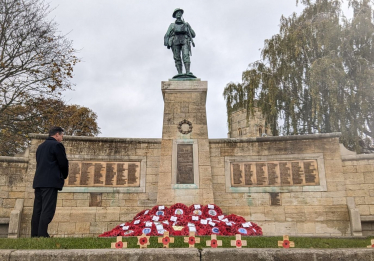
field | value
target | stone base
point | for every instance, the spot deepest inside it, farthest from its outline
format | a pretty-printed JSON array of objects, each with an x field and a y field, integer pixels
[
  {"x": 185, "y": 76},
  {"x": 185, "y": 124}
]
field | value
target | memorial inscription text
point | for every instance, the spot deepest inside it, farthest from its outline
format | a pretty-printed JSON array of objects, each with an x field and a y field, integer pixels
[
  {"x": 274, "y": 173},
  {"x": 103, "y": 174},
  {"x": 185, "y": 173}
]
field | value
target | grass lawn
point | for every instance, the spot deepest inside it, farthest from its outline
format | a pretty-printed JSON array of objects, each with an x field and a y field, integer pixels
[{"x": 253, "y": 242}]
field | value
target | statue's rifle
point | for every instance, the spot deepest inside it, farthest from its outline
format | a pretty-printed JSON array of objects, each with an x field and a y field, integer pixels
[{"x": 190, "y": 37}]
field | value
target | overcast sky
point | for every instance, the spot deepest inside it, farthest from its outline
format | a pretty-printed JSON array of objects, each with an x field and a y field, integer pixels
[{"x": 124, "y": 60}]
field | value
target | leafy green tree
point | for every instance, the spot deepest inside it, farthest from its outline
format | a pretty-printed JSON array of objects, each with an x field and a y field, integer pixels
[
  {"x": 38, "y": 116},
  {"x": 316, "y": 75}
]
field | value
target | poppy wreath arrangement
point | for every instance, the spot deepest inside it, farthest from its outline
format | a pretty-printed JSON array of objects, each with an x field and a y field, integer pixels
[
  {"x": 212, "y": 211},
  {"x": 247, "y": 229},
  {"x": 180, "y": 220},
  {"x": 178, "y": 209},
  {"x": 127, "y": 229},
  {"x": 177, "y": 228},
  {"x": 161, "y": 211},
  {"x": 149, "y": 230},
  {"x": 193, "y": 227},
  {"x": 195, "y": 210}
]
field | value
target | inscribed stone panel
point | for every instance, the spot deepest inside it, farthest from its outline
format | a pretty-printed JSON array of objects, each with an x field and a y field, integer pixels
[
  {"x": 103, "y": 174},
  {"x": 275, "y": 173},
  {"x": 185, "y": 165}
]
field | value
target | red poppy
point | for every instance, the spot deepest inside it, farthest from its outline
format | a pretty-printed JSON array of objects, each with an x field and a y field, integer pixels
[
  {"x": 238, "y": 243},
  {"x": 286, "y": 243},
  {"x": 166, "y": 240},
  {"x": 213, "y": 243},
  {"x": 228, "y": 225},
  {"x": 191, "y": 240},
  {"x": 143, "y": 241},
  {"x": 119, "y": 244}
]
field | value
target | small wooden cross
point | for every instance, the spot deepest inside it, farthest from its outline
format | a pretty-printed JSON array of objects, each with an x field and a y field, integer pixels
[
  {"x": 238, "y": 242},
  {"x": 213, "y": 242},
  {"x": 191, "y": 240},
  {"x": 143, "y": 241},
  {"x": 166, "y": 240},
  {"x": 119, "y": 243},
  {"x": 286, "y": 243},
  {"x": 372, "y": 244}
]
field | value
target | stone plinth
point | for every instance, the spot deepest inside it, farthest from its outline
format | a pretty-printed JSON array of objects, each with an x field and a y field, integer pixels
[{"x": 185, "y": 171}]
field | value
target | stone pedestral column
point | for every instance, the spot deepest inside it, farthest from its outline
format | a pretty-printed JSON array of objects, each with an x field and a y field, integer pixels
[{"x": 185, "y": 172}]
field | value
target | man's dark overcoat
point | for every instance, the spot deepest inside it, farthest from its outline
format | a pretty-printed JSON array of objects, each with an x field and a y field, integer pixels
[{"x": 52, "y": 165}]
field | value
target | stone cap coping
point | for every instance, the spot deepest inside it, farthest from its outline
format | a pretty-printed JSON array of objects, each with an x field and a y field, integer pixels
[
  {"x": 4, "y": 220},
  {"x": 279, "y": 138},
  {"x": 13, "y": 159},
  {"x": 226, "y": 140},
  {"x": 102, "y": 139},
  {"x": 358, "y": 157},
  {"x": 367, "y": 218}
]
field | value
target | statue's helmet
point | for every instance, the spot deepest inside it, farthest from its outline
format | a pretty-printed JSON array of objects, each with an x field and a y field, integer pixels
[{"x": 176, "y": 10}]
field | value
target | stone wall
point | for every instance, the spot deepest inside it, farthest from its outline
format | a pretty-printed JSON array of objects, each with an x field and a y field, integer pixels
[
  {"x": 359, "y": 179},
  {"x": 322, "y": 212},
  {"x": 302, "y": 210},
  {"x": 12, "y": 182},
  {"x": 90, "y": 211}
]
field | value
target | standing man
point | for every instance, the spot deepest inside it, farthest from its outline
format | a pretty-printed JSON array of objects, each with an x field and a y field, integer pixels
[
  {"x": 52, "y": 167},
  {"x": 179, "y": 38}
]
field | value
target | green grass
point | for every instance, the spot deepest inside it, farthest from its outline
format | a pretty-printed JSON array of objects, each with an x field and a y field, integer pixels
[{"x": 253, "y": 242}]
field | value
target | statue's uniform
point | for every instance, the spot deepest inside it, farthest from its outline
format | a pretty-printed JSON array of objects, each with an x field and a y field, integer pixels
[{"x": 177, "y": 37}]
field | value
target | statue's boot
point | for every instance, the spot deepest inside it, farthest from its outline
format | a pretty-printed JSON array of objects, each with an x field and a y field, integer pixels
[
  {"x": 187, "y": 65},
  {"x": 179, "y": 68}
]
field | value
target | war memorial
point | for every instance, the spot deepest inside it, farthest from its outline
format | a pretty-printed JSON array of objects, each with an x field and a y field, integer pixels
[{"x": 302, "y": 185}]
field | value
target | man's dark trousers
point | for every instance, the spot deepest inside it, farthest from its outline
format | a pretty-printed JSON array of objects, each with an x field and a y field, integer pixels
[{"x": 44, "y": 210}]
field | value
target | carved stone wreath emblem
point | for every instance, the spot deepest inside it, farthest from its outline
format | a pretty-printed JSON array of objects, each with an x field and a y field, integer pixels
[{"x": 185, "y": 127}]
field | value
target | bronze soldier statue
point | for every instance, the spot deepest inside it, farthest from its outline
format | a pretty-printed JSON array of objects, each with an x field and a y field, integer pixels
[{"x": 179, "y": 38}]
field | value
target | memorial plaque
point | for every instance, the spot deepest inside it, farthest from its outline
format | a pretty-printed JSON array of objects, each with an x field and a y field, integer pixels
[
  {"x": 185, "y": 173},
  {"x": 310, "y": 171},
  {"x": 95, "y": 200},
  {"x": 248, "y": 172},
  {"x": 132, "y": 176},
  {"x": 284, "y": 173},
  {"x": 103, "y": 174},
  {"x": 86, "y": 173},
  {"x": 297, "y": 173},
  {"x": 74, "y": 173},
  {"x": 275, "y": 173},
  {"x": 261, "y": 174},
  {"x": 237, "y": 174},
  {"x": 121, "y": 178},
  {"x": 110, "y": 174},
  {"x": 275, "y": 199},
  {"x": 99, "y": 173}
]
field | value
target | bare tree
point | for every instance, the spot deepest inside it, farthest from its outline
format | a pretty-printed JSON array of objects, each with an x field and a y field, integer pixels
[{"x": 35, "y": 60}]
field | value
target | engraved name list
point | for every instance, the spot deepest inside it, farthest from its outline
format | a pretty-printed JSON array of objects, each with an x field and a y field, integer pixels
[
  {"x": 274, "y": 173},
  {"x": 103, "y": 174}
]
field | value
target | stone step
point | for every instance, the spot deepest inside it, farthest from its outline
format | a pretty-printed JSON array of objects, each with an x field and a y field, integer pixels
[{"x": 191, "y": 254}]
